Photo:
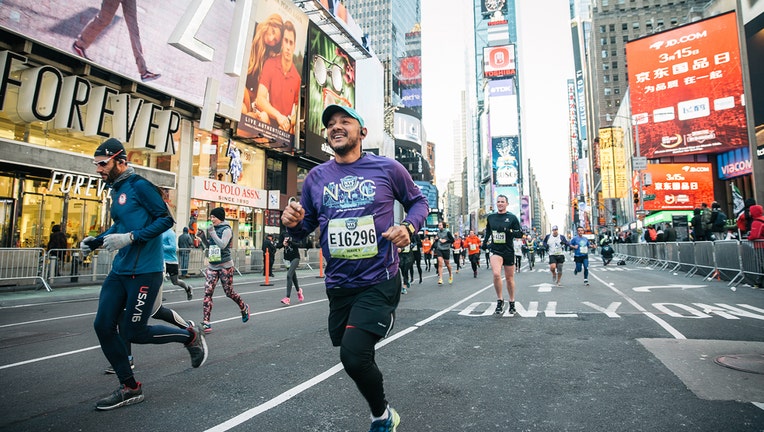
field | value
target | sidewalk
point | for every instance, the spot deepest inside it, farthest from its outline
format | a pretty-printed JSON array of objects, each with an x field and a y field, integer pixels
[{"x": 91, "y": 292}]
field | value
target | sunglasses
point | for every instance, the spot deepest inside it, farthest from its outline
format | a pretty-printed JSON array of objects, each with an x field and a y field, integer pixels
[
  {"x": 327, "y": 73},
  {"x": 105, "y": 162}
]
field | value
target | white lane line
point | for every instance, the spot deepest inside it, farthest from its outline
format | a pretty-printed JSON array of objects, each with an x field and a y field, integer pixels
[
  {"x": 666, "y": 326},
  {"x": 294, "y": 391},
  {"x": 237, "y": 317}
]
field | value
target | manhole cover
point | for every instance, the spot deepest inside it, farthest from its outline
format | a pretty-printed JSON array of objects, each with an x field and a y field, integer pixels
[{"x": 753, "y": 363}]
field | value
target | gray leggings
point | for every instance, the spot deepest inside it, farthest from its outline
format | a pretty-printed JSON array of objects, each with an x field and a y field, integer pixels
[{"x": 292, "y": 276}]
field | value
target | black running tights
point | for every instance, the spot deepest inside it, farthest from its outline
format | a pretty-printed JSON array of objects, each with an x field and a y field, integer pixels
[{"x": 357, "y": 355}]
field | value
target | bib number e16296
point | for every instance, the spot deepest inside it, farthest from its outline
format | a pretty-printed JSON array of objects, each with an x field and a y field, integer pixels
[{"x": 352, "y": 238}]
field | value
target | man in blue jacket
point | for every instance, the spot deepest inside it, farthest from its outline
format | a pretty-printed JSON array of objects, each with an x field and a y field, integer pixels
[{"x": 129, "y": 291}]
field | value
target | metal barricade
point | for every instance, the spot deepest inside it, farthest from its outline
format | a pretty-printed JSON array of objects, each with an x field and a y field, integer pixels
[
  {"x": 752, "y": 261},
  {"x": 687, "y": 252},
  {"x": 673, "y": 256},
  {"x": 727, "y": 258},
  {"x": 704, "y": 257},
  {"x": 20, "y": 265}
]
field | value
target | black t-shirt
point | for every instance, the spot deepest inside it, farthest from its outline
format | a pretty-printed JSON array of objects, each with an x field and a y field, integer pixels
[{"x": 502, "y": 229}]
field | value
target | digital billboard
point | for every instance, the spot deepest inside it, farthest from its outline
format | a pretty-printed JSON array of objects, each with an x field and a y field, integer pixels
[
  {"x": 687, "y": 89},
  {"x": 678, "y": 186},
  {"x": 612, "y": 157},
  {"x": 499, "y": 61},
  {"x": 331, "y": 80},
  {"x": 410, "y": 72},
  {"x": 412, "y": 97},
  {"x": 502, "y": 104},
  {"x": 271, "y": 100},
  {"x": 489, "y": 7},
  {"x": 171, "y": 46},
  {"x": 734, "y": 163},
  {"x": 506, "y": 165}
]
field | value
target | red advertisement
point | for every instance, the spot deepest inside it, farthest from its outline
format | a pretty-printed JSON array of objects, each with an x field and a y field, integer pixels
[
  {"x": 687, "y": 89},
  {"x": 499, "y": 61},
  {"x": 679, "y": 186},
  {"x": 411, "y": 70}
]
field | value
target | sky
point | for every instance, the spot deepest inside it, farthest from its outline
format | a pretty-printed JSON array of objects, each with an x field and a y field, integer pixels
[{"x": 545, "y": 63}]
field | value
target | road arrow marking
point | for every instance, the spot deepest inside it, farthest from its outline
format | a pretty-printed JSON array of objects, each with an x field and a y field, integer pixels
[{"x": 648, "y": 288}]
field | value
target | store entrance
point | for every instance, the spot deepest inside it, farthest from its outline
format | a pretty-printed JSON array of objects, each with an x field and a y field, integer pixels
[{"x": 6, "y": 222}]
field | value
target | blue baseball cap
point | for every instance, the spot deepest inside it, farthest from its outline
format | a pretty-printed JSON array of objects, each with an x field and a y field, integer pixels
[{"x": 333, "y": 109}]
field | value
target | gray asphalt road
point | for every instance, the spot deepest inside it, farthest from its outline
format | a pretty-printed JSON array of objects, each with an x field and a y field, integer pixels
[{"x": 634, "y": 351}]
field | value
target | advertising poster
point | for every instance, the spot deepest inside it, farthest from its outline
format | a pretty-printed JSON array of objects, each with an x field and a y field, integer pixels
[
  {"x": 412, "y": 97},
  {"x": 154, "y": 44},
  {"x": 612, "y": 157},
  {"x": 503, "y": 112},
  {"x": 734, "y": 163},
  {"x": 678, "y": 186},
  {"x": 410, "y": 71},
  {"x": 687, "y": 89},
  {"x": 499, "y": 61},
  {"x": 331, "y": 80},
  {"x": 489, "y": 7},
  {"x": 506, "y": 166},
  {"x": 275, "y": 56},
  {"x": 525, "y": 212},
  {"x": 513, "y": 198}
]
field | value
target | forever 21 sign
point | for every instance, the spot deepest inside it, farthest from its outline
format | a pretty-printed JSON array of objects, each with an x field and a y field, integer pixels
[{"x": 44, "y": 94}]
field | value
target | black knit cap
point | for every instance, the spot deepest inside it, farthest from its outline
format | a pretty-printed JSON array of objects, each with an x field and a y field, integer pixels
[
  {"x": 218, "y": 212},
  {"x": 111, "y": 147}
]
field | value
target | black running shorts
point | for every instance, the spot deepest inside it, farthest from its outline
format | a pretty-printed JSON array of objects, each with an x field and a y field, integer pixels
[
  {"x": 371, "y": 308},
  {"x": 556, "y": 259}
]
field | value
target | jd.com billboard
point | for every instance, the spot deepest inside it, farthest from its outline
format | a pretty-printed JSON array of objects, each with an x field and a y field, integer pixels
[{"x": 687, "y": 89}]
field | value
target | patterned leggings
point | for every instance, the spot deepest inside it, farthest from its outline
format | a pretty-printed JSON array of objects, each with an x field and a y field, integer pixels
[{"x": 211, "y": 279}]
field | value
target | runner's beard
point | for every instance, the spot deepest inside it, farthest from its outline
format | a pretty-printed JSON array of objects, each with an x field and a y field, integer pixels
[{"x": 342, "y": 150}]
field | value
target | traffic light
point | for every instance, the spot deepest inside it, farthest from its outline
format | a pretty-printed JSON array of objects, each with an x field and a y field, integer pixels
[
  {"x": 636, "y": 197},
  {"x": 575, "y": 205}
]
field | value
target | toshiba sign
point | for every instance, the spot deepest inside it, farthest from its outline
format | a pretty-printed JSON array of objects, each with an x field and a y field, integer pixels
[{"x": 499, "y": 61}]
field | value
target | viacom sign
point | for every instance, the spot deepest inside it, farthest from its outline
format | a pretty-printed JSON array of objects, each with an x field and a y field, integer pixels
[
  {"x": 734, "y": 163},
  {"x": 44, "y": 94}
]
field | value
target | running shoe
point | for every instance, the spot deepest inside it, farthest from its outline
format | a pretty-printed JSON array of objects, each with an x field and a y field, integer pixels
[
  {"x": 512, "y": 310},
  {"x": 286, "y": 301},
  {"x": 451, "y": 279},
  {"x": 404, "y": 290},
  {"x": 245, "y": 313},
  {"x": 197, "y": 347},
  {"x": 79, "y": 51},
  {"x": 300, "y": 297},
  {"x": 149, "y": 76},
  {"x": 475, "y": 273},
  {"x": 575, "y": 272},
  {"x": 123, "y": 396},
  {"x": 206, "y": 327},
  {"x": 387, "y": 425},
  {"x": 440, "y": 281},
  {"x": 499, "y": 307},
  {"x": 189, "y": 293},
  {"x": 110, "y": 370},
  {"x": 586, "y": 282}
]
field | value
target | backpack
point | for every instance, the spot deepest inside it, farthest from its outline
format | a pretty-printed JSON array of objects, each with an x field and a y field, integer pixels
[{"x": 720, "y": 222}]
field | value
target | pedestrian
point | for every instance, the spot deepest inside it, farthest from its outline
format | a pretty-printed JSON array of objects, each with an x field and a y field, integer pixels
[
  {"x": 530, "y": 247},
  {"x": 269, "y": 248},
  {"x": 756, "y": 236},
  {"x": 220, "y": 266},
  {"x": 472, "y": 245},
  {"x": 416, "y": 252},
  {"x": 57, "y": 246},
  {"x": 140, "y": 217},
  {"x": 103, "y": 19},
  {"x": 606, "y": 251},
  {"x": 669, "y": 234},
  {"x": 501, "y": 228},
  {"x": 170, "y": 253},
  {"x": 292, "y": 256},
  {"x": 517, "y": 247},
  {"x": 541, "y": 250},
  {"x": 580, "y": 246},
  {"x": 406, "y": 257},
  {"x": 185, "y": 244},
  {"x": 698, "y": 226},
  {"x": 362, "y": 280},
  {"x": 456, "y": 247},
  {"x": 427, "y": 251},
  {"x": 705, "y": 214},
  {"x": 718, "y": 221},
  {"x": 744, "y": 219},
  {"x": 442, "y": 247},
  {"x": 555, "y": 243}
]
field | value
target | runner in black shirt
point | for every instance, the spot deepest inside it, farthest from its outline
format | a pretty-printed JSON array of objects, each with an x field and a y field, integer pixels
[{"x": 502, "y": 228}]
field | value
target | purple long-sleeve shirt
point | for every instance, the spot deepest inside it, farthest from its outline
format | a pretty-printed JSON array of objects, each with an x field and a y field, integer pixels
[{"x": 354, "y": 204}]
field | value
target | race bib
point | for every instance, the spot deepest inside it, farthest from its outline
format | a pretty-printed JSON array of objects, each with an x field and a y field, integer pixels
[
  {"x": 583, "y": 249},
  {"x": 499, "y": 237},
  {"x": 473, "y": 247},
  {"x": 352, "y": 238},
  {"x": 213, "y": 253}
]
